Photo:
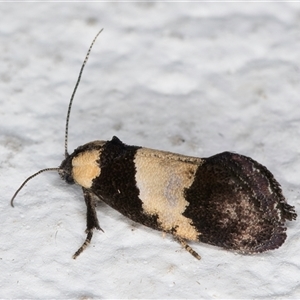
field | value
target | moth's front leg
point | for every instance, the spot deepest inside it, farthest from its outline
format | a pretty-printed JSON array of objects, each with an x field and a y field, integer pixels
[{"x": 91, "y": 220}]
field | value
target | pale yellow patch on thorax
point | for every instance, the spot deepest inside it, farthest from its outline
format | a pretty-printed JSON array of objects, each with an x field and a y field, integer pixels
[
  {"x": 85, "y": 167},
  {"x": 162, "y": 178}
]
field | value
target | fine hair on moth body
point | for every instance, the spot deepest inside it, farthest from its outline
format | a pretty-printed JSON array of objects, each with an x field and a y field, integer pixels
[{"x": 226, "y": 200}]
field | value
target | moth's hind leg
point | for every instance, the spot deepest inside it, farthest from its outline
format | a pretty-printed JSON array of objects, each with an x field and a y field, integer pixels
[
  {"x": 187, "y": 247},
  {"x": 91, "y": 220}
]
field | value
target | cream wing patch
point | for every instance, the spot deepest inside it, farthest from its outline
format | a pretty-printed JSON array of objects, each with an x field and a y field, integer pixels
[
  {"x": 85, "y": 167},
  {"x": 161, "y": 179}
]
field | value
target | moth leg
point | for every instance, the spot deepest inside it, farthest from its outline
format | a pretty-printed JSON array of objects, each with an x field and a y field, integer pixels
[
  {"x": 188, "y": 247},
  {"x": 91, "y": 220},
  {"x": 84, "y": 245}
]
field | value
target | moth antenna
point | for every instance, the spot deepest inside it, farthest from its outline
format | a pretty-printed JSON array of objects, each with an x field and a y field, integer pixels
[
  {"x": 30, "y": 177},
  {"x": 74, "y": 91},
  {"x": 67, "y": 123}
]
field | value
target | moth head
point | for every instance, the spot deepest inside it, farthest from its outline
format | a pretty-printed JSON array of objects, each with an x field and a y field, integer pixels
[
  {"x": 65, "y": 170},
  {"x": 83, "y": 165}
]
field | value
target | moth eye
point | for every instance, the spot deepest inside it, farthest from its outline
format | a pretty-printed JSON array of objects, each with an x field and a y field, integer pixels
[
  {"x": 69, "y": 179},
  {"x": 66, "y": 176}
]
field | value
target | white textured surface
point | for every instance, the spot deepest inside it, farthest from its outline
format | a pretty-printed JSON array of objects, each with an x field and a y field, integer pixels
[{"x": 197, "y": 79}]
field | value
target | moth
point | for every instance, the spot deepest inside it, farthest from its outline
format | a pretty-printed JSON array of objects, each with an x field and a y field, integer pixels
[{"x": 227, "y": 200}]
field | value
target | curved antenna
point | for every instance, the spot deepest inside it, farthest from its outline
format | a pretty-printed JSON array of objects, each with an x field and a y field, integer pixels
[
  {"x": 74, "y": 91},
  {"x": 30, "y": 177}
]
